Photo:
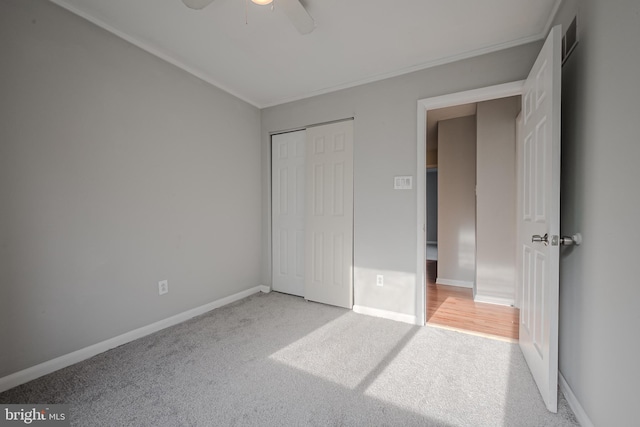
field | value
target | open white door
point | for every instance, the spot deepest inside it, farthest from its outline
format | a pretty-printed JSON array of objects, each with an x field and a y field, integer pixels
[
  {"x": 329, "y": 214},
  {"x": 539, "y": 218},
  {"x": 287, "y": 211}
]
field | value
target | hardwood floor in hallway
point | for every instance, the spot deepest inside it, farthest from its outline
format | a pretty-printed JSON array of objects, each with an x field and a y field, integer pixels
[{"x": 454, "y": 307}]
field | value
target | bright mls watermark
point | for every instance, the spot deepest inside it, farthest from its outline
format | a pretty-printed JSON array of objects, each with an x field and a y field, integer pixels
[{"x": 36, "y": 415}]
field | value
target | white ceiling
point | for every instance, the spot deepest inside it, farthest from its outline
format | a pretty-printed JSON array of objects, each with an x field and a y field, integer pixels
[{"x": 267, "y": 62}]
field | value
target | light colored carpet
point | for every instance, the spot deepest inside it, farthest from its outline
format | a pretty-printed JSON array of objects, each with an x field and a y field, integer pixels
[{"x": 274, "y": 359}]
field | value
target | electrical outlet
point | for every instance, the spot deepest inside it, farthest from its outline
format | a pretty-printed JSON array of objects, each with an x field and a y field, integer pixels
[
  {"x": 163, "y": 287},
  {"x": 380, "y": 280}
]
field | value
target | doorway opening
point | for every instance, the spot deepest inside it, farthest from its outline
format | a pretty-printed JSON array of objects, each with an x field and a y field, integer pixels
[
  {"x": 474, "y": 147},
  {"x": 470, "y": 200}
]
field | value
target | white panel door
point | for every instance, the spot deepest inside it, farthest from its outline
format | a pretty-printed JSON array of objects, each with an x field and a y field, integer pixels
[
  {"x": 539, "y": 215},
  {"x": 287, "y": 211},
  {"x": 329, "y": 214}
]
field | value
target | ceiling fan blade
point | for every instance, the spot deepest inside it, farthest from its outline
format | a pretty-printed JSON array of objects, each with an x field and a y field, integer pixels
[
  {"x": 197, "y": 4},
  {"x": 298, "y": 15}
]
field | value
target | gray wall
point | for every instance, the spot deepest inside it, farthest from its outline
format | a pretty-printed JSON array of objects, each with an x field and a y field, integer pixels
[
  {"x": 599, "y": 287},
  {"x": 432, "y": 205},
  {"x": 117, "y": 170},
  {"x": 496, "y": 199},
  {"x": 457, "y": 201},
  {"x": 385, "y": 128}
]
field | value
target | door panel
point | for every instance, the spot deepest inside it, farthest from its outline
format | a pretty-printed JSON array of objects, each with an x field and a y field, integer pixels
[
  {"x": 539, "y": 214},
  {"x": 329, "y": 218},
  {"x": 288, "y": 190}
]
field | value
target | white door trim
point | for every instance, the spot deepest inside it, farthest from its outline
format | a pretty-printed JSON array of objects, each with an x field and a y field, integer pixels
[{"x": 424, "y": 105}]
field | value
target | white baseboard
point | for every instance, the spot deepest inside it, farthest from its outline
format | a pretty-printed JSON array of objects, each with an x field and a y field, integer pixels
[
  {"x": 574, "y": 404},
  {"x": 451, "y": 282},
  {"x": 494, "y": 300},
  {"x": 69, "y": 359},
  {"x": 391, "y": 315},
  {"x": 265, "y": 289}
]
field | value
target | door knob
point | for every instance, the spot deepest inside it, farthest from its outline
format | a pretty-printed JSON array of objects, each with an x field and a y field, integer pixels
[
  {"x": 538, "y": 238},
  {"x": 576, "y": 240}
]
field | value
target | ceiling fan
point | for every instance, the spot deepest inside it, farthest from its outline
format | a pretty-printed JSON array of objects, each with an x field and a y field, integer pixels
[{"x": 294, "y": 10}]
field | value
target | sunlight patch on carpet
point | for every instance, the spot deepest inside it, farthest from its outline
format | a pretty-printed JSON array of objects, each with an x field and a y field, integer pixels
[
  {"x": 344, "y": 351},
  {"x": 469, "y": 375}
]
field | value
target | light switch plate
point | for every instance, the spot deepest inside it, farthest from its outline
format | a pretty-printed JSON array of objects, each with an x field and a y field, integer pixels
[{"x": 403, "y": 182}]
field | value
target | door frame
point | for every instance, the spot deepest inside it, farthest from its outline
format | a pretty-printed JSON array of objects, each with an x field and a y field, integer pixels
[{"x": 424, "y": 105}]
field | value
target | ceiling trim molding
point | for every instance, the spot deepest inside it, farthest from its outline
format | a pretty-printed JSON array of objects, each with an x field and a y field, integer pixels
[
  {"x": 347, "y": 85},
  {"x": 413, "y": 68},
  {"x": 154, "y": 51}
]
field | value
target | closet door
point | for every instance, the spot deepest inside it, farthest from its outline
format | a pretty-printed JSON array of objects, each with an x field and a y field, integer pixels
[
  {"x": 329, "y": 214},
  {"x": 287, "y": 211}
]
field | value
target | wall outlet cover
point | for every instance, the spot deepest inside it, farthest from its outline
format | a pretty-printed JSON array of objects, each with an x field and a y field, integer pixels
[{"x": 163, "y": 287}]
